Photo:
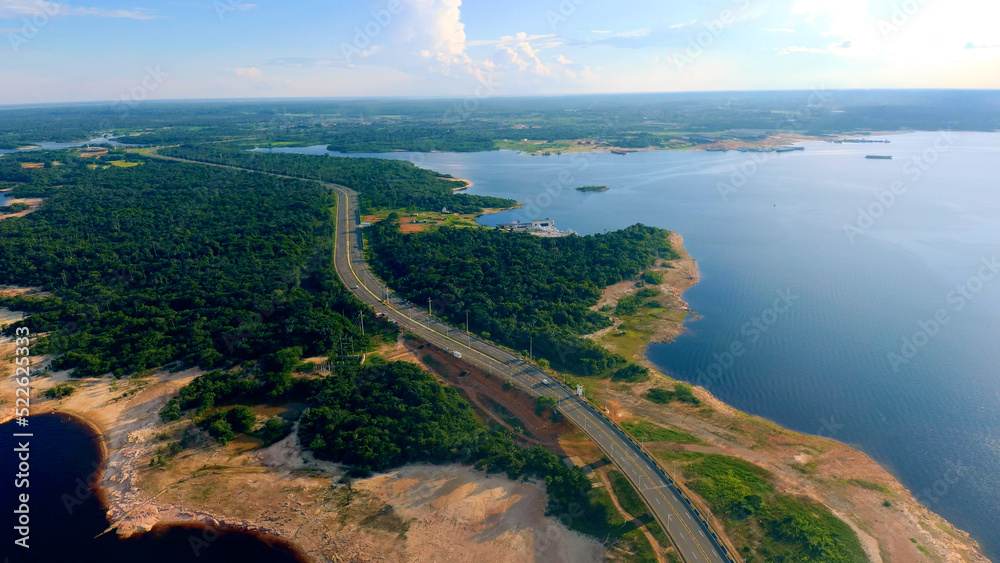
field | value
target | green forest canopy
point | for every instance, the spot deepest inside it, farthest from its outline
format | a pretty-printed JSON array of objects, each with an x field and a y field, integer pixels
[
  {"x": 168, "y": 262},
  {"x": 379, "y": 417},
  {"x": 517, "y": 286},
  {"x": 380, "y": 183}
]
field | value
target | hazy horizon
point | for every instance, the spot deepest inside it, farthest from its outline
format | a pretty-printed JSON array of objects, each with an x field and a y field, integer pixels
[{"x": 107, "y": 50}]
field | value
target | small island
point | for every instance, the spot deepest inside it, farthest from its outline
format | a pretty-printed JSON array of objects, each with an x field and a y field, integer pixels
[{"x": 592, "y": 189}]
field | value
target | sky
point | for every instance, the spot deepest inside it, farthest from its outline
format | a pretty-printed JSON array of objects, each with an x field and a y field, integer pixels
[{"x": 179, "y": 49}]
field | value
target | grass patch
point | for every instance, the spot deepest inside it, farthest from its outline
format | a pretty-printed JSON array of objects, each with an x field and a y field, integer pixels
[
  {"x": 646, "y": 431},
  {"x": 677, "y": 455},
  {"x": 766, "y": 525},
  {"x": 869, "y": 485},
  {"x": 638, "y": 544},
  {"x": 653, "y": 527},
  {"x": 682, "y": 392},
  {"x": 626, "y": 494}
]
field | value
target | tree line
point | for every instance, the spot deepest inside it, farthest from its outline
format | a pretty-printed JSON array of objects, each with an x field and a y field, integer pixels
[
  {"x": 380, "y": 183},
  {"x": 169, "y": 262},
  {"x": 521, "y": 290},
  {"x": 382, "y": 416}
]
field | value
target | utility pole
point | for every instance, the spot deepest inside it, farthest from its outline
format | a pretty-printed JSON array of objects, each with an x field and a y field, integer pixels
[
  {"x": 531, "y": 349},
  {"x": 429, "y": 312},
  {"x": 362, "y": 317},
  {"x": 605, "y": 397}
]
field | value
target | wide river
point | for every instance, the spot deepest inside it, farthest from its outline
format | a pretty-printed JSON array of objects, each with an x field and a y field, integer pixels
[{"x": 919, "y": 263}]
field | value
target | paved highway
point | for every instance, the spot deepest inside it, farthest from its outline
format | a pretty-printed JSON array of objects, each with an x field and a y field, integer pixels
[
  {"x": 693, "y": 537},
  {"x": 670, "y": 507}
]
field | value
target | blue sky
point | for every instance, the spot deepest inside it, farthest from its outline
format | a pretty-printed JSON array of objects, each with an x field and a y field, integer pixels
[{"x": 106, "y": 49}]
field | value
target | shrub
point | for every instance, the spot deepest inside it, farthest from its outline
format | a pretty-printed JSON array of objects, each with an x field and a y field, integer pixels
[
  {"x": 631, "y": 373},
  {"x": 221, "y": 431},
  {"x": 241, "y": 418},
  {"x": 274, "y": 430},
  {"x": 544, "y": 403},
  {"x": 59, "y": 391},
  {"x": 683, "y": 392},
  {"x": 647, "y": 292},
  {"x": 652, "y": 278}
]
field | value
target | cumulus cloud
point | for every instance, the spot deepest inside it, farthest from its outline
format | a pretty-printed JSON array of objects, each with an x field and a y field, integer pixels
[
  {"x": 573, "y": 70},
  {"x": 252, "y": 72},
  {"x": 28, "y": 8},
  {"x": 433, "y": 32},
  {"x": 435, "y": 29}
]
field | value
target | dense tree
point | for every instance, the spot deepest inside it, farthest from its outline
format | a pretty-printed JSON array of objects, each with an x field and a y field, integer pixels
[
  {"x": 516, "y": 286},
  {"x": 380, "y": 183},
  {"x": 168, "y": 262}
]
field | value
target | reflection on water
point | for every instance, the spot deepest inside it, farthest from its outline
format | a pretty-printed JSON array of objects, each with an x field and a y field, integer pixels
[
  {"x": 65, "y": 519},
  {"x": 823, "y": 366}
]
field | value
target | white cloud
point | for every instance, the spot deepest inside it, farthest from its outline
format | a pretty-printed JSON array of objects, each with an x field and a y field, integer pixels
[
  {"x": 435, "y": 29},
  {"x": 27, "y": 8},
  {"x": 779, "y": 30},
  {"x": 252, "y": 72},
  {"x": 516, "y": 51},
  {"x": 680, "y": 25},
  {"x": 641, "y": 32}
]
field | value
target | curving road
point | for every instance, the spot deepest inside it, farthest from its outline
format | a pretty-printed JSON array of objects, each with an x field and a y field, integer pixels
[{"x": 694, "y": 538}]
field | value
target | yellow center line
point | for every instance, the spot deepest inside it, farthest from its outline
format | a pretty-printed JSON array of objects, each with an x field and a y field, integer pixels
[
  {"x": 347, "y": 219},
  {"x": 599, "y": 428}
]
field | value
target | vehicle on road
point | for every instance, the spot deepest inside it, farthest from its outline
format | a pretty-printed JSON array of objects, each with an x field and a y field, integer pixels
[
  {"x": 545, "y": 382},
  {"x": 457, "y": 354}
]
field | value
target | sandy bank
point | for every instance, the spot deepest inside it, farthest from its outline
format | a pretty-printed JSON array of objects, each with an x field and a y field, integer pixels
[
  {"x": 446, "y": 513},
  {"x": 848, "y": 482}
]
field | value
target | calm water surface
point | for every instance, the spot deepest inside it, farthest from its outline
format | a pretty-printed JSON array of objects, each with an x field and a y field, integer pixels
[
  {"x": 66, "y": 518},
  {"x": 823, "y": 366}
]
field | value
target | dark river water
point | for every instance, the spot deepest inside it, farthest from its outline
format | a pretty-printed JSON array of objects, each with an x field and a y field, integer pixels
[
  {"x": 879, "y": 328},
  {"x": 63, "y": 514}
]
